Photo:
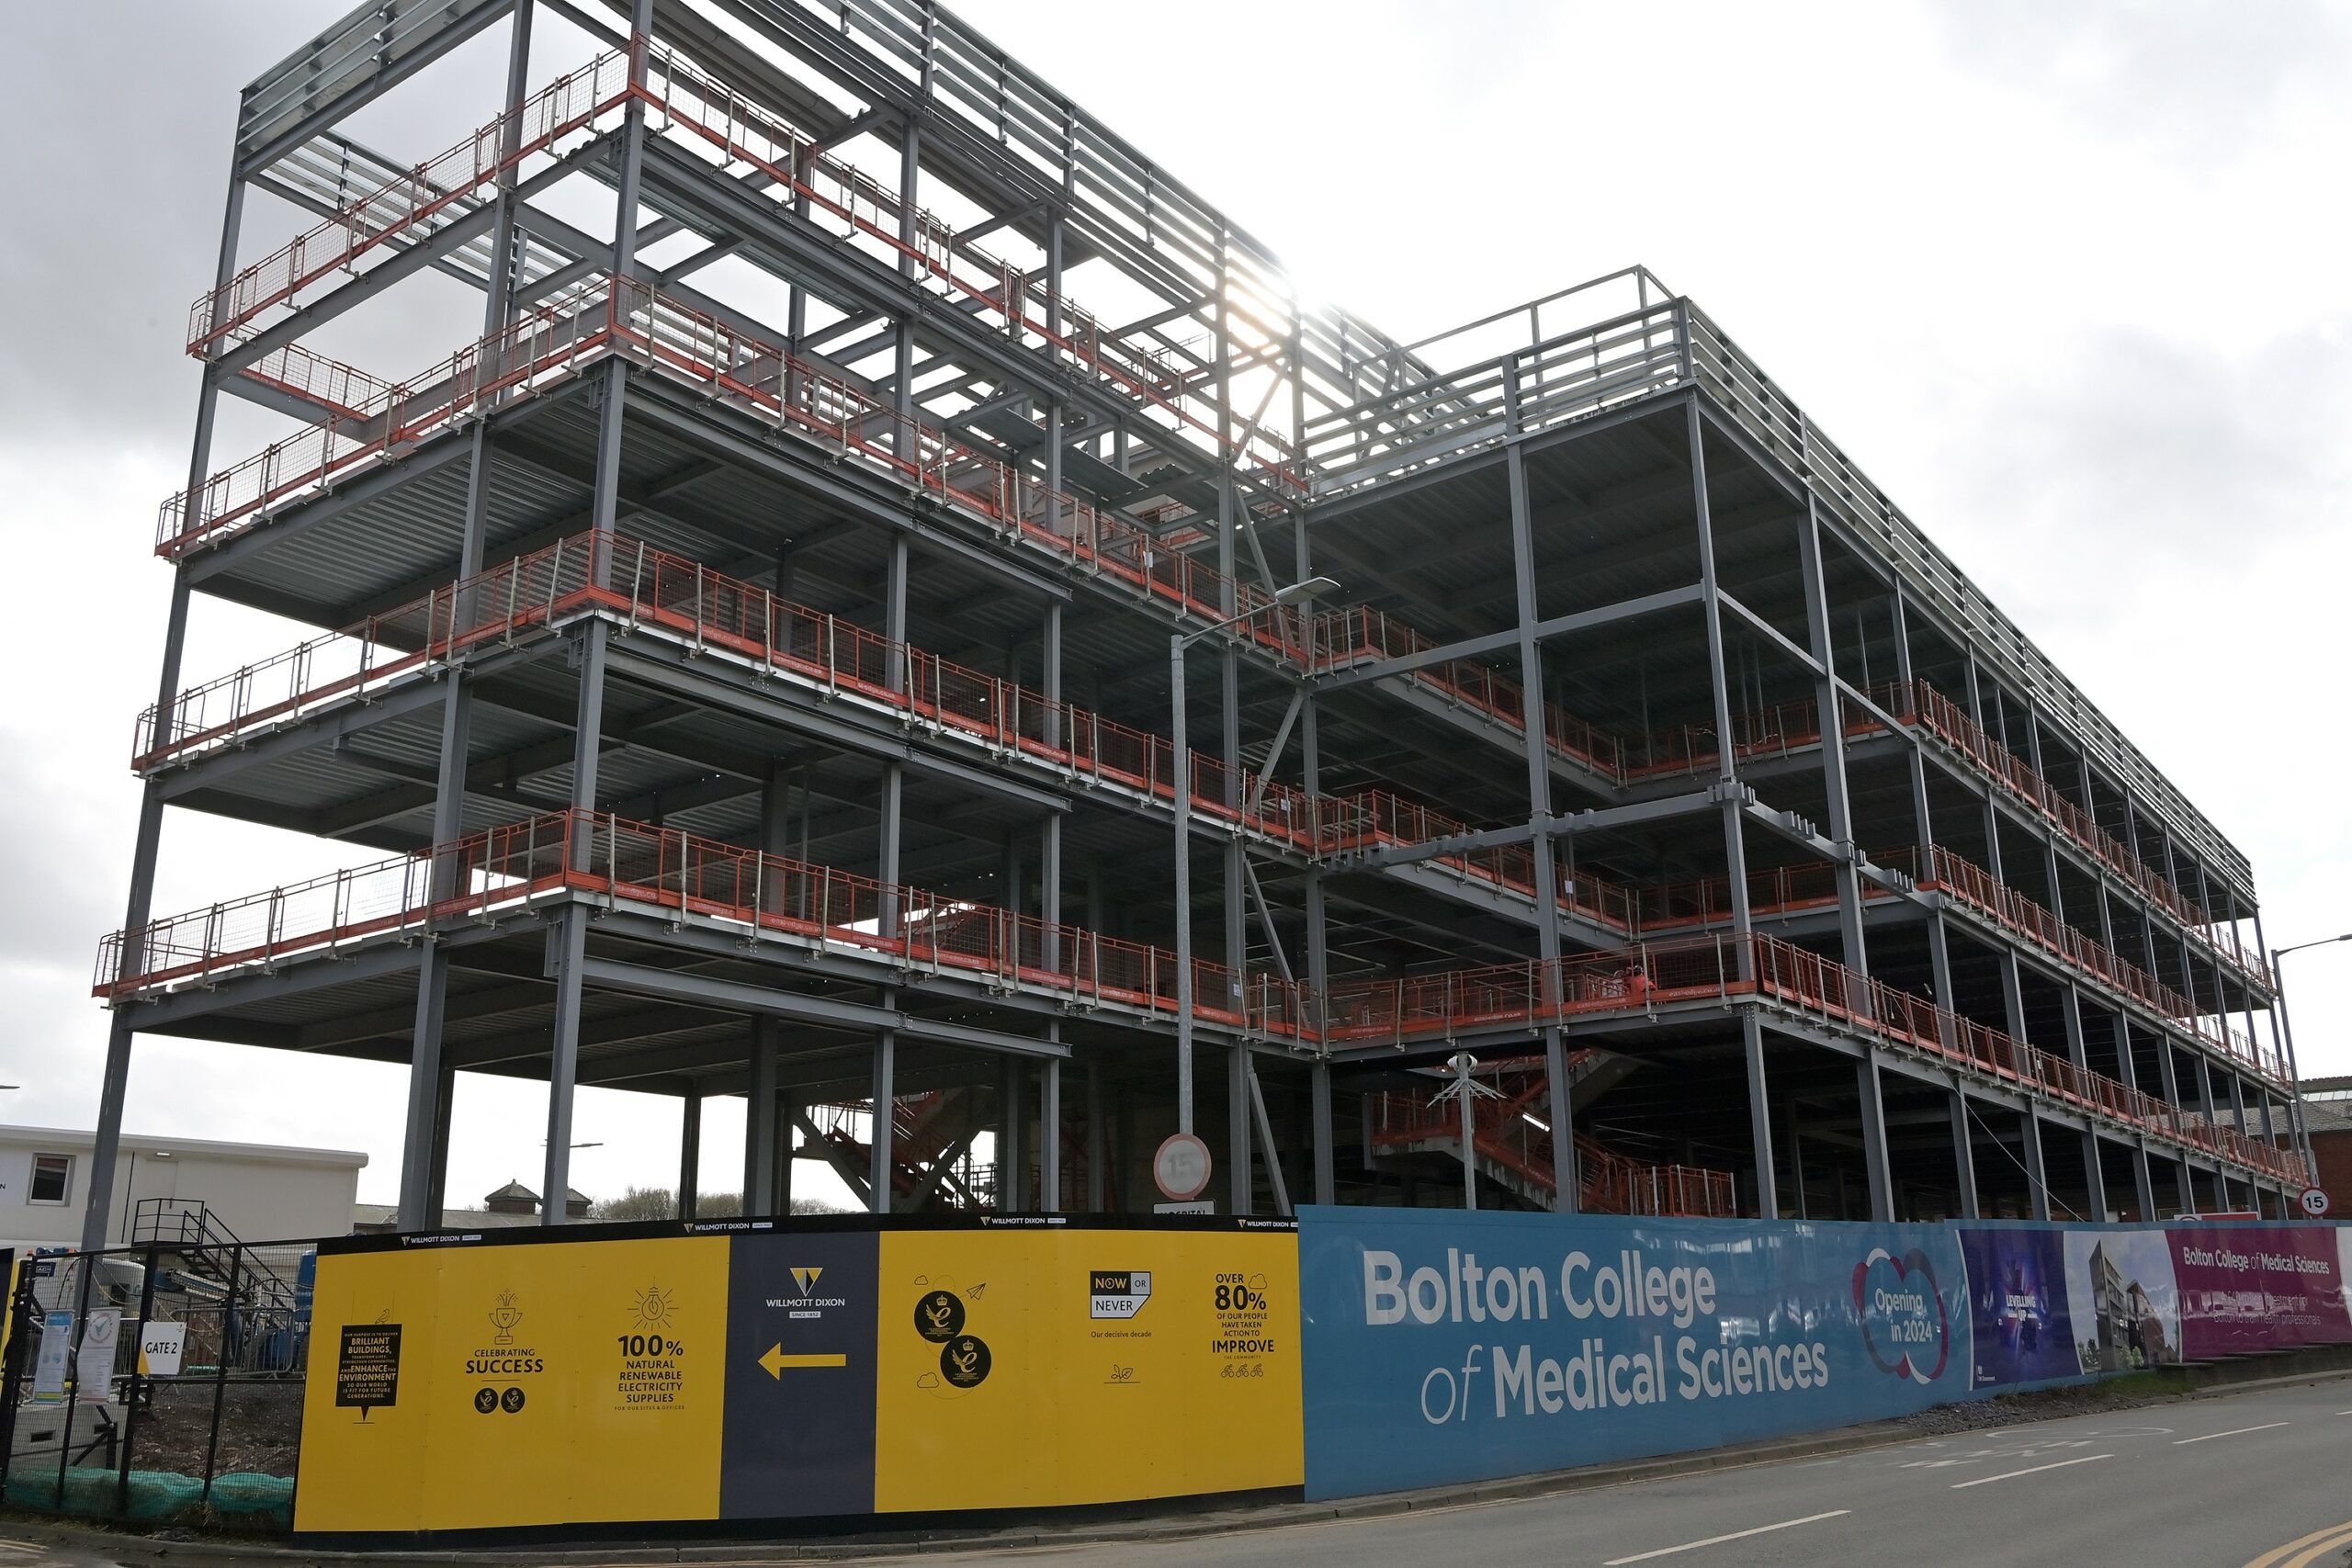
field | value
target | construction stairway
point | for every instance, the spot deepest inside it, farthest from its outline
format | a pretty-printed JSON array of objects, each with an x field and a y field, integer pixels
[{"x": 1512, "y": 1140}]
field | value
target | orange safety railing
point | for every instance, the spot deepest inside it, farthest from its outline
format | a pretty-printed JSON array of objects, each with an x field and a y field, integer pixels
[
  {"x": 1344, "y": 638},
  {"x": 584, "y": 852},
  {"x": 527, "y": 597},
  {"x": 1796, "y": 726},
  {"x": 551, "y": 344},
  {"x": 742, "y": 131},
  {"x": 1921, "y": 704},
  {"x": 590, "y": 321},
  {"x": 1504, "y": 1130},
  {"x": 579, "y": 852},
  {"x": 569, "y": 104},
  {"x": 1814, "y": 985},
  {"x": 1945, "y": 871},
  {"x": 682, "y": 96}
]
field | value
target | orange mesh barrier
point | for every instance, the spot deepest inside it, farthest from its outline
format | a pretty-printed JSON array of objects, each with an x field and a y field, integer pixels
[
  {"x": 1945, "y": 871},
  {"x": 410, "y": 202},
  {"x": 588, "y": 101},
  {"x": 1505, "y": 1130},
  {"x": 663, "y": 868},
  {"x": 1796, "y": 726}
]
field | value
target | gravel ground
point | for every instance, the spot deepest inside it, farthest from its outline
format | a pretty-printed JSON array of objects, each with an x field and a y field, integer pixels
[{"x": 2048, "y": 1404}]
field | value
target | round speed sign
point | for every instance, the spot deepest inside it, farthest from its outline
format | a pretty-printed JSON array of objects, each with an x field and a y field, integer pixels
[
  {"x": 2314, "y": 1202},
  {"x": 1181, "y": 1168}
]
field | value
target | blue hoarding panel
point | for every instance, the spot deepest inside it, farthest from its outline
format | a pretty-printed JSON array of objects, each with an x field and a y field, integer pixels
[{"x": 1445, "y": 1346}]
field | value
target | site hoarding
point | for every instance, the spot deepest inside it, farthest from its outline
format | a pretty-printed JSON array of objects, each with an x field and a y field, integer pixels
[
  {"x": 1444, "y": 1346},
  {"x": 725, "y": 1375},
  {"x": 2247, "y": 1288},
  {"x": 1173, "y": 1371},
  {"x": 2055, "y": 1303},
  {"x": 539, "y": 1379}
]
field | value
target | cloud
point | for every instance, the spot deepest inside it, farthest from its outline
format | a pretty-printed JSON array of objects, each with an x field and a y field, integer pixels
[
  {"x": 2205, "y": 82},
  {"x": 2067, "y": 281}
]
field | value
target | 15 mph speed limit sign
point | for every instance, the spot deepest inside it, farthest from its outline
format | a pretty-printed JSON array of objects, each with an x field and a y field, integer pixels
[
  {"x": 1181, "y": 1168},
  {"x": 2314, "y": 1202}
]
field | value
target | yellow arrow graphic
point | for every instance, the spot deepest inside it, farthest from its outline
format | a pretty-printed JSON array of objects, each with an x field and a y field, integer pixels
[{"x": 776, "y": 1361}]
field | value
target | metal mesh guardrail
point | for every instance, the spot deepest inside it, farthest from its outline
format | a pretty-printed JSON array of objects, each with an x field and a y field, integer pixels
[
  {"x": 569, "y": 855},
  {"x": 1505, "y": 1132}
]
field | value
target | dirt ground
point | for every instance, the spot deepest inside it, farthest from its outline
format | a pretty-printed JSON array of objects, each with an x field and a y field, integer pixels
[{"x": 260, "y": 1429}]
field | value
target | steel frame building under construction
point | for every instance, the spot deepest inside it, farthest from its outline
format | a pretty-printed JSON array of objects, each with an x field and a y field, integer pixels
[{"x": 755, "y": 655}]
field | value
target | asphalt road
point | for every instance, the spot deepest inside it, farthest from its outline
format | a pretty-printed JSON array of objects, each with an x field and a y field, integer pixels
[
  {"x": 2200, "y": 1483},
  {"x": 2256, "y": 1480}
]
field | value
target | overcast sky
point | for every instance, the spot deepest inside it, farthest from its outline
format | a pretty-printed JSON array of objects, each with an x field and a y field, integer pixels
[{"x": 2068, "y": 282}]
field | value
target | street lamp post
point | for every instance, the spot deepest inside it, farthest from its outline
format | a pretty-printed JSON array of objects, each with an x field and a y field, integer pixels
[
  {"x": 1181, "y": 788},
  {"x": 2286, "y": 1029}
]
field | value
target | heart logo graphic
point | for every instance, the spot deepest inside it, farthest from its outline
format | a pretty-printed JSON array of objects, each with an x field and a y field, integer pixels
[{"x": 1901, "y": 1311}]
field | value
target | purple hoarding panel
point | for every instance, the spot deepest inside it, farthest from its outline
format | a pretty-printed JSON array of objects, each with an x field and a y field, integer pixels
[{"x": 2246, "y": 1288}]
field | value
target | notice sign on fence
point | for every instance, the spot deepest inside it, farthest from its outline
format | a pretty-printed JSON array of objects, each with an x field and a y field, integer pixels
[
  {"x": 56, "y": 1354},
  {"x": 160, "y": 1347},
  {"x": 368, "y": 1367},
  {"x": 94, "y": 1372}
]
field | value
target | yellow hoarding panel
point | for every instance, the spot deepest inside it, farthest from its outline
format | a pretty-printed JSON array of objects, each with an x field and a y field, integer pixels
[
  {"x": 523, "y": 1384},
  {"x": 1022, "y": 1367},
  {"x": 366, "y": 1402}
]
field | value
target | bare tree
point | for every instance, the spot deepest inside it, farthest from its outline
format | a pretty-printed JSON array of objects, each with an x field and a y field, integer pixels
[{"x": 662, "y": 1203}]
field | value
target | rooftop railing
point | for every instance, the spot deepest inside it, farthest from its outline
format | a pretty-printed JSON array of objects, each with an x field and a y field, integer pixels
[{"x": 683, "y": 97}]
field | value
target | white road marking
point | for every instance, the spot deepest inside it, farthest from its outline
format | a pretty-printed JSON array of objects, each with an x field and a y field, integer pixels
[
  {"x": 2037, "y": 1470},
  {"x": 2233, "y": 1432},
  {"x": 1719, "y": 1540}
]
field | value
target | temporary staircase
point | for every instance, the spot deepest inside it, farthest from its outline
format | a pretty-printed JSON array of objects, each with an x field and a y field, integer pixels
[{"x": 1511, "y": 1140}]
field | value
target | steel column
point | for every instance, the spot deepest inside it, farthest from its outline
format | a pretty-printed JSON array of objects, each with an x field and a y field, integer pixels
[
  {"x": 1049, "y": 1139},
  {"x": 1833, "y": 740},
  {"x": 1963, "y": 1148},
  {"x": 569, "y": 941},
  {"x": 1915, "y": 754},
  {"x": 689, "y": 1150},
  {"x": 881, "y": 1122},
  {"x": 2037, "y": 1176},
  {"x": 1875, "y": 1166},
  {"x": 114, "y": 1083},
  {"x": 1760, "y": 1114},
  {"x": 1536, "y": 747}
]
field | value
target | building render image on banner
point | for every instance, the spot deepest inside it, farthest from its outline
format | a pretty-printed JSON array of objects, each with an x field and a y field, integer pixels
[{"x": 2121, "y": 1299}]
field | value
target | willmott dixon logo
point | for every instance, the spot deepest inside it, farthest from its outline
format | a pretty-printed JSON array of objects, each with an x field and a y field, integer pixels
[{"x": 804, "y": 1301}]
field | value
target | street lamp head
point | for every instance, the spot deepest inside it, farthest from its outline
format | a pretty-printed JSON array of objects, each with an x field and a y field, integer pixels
[
  {"x": 1313, "y": 588},
  {"x": 2278, "y": 952}
]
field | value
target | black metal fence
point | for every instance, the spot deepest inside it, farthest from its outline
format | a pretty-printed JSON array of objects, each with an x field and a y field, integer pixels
[{"x": 159, "y": 1381}]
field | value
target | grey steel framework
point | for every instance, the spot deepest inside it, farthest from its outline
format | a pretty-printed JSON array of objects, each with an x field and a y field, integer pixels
[{"x": 755, "y": 663}]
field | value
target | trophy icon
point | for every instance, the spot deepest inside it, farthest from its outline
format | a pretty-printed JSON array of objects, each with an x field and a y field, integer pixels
[{"x": 504, "y": 1316}]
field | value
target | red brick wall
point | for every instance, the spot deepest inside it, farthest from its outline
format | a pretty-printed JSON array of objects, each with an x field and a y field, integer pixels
[{"x": 2333, "y": 1152}]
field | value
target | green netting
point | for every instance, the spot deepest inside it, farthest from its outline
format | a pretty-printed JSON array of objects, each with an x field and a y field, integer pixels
[
  {"x": 88, "y": 1491},
  {"x": 153, "y": 1495},
  {"x": 158, "y": 1494},
  {"x": 252, "y": 1498}
]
